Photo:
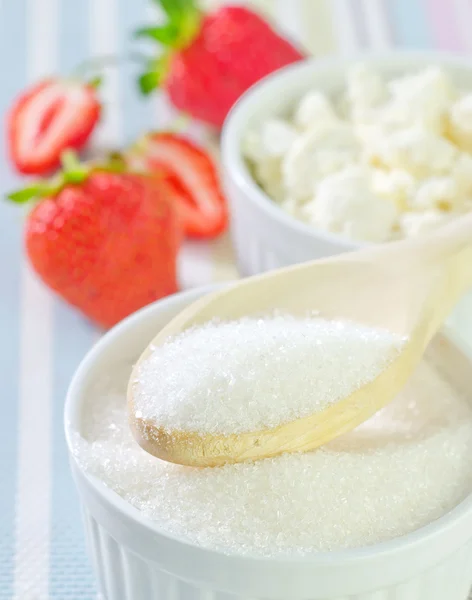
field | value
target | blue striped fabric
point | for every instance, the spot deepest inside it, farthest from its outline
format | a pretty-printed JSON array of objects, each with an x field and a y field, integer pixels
[
  {"x": 12, "y": 35},
  {"x": 139, "y": 113},
  {"x": 71, "y": 339},
  {"x": 409, "y": 23}
]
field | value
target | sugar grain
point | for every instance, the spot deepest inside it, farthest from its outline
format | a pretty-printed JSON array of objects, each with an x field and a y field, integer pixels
[
  {"x": 252, "y": 374},
  {"x": 404, "y": 468}
]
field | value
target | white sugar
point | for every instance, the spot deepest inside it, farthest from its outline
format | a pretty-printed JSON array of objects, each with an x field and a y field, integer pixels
[
  {"x": 404, "y": 468},
  {"x": 252, "y": 374}
]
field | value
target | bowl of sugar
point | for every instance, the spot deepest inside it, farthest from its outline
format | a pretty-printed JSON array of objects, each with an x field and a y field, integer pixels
[{"x": 383, "y": 512}]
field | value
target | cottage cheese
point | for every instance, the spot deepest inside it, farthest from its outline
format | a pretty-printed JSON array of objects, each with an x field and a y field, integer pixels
[
  {"x": 423, "y": 98},
  {"x": 345, "y": 204},
  {"x": 320, "y": 151},
  {"x": 365, "y": 90},
  {"x": 313, "y": 109},
  {"x": 417, "y": 151},
  {"x": 460, "y": 123},
  {"x": 384, "y": 159}
]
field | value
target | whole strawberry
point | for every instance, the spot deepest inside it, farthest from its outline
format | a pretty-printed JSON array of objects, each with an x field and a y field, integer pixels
[
  {"x": 208, "y": 61},
  {"x": 49, "y": 117},
  {"x": 104, "y": 239}
]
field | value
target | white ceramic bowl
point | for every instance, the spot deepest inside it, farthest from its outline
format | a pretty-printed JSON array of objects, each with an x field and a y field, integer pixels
[
  {"x": 266, "y": 237},
  {"x": 134, "y": 560}
]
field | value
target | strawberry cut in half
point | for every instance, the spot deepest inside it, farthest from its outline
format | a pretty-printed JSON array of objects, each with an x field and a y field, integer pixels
[
  {"x": 193, "y": 176},
  {"x": 49, "y": 117}
]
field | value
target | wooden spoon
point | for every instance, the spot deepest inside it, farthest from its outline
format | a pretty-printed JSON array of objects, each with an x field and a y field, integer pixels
[{"x": 408, "y": 287}]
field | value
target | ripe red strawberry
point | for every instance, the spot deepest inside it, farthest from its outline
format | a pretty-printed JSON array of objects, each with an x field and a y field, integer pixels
[
  {"x": 104, "y": 240},
  {"x": 49, "y": 117},
  {"x": 192, "y": 173},
  {"x": 210, "y": 60}
]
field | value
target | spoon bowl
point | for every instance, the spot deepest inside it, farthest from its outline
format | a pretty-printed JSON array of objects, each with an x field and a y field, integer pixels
[{"x": 407, "y": 287}]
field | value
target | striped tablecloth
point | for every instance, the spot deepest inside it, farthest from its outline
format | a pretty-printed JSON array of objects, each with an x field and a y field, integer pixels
[{"x": 42, "y": 553}]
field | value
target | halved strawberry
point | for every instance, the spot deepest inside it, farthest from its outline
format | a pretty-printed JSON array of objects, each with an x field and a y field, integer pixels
[
  {"x": 49, "y": 117},
  {"x": 191, "y": 171}
]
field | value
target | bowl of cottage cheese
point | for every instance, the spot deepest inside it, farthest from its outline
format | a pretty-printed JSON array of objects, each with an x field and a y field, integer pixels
[{"x": 328, "y": 155}]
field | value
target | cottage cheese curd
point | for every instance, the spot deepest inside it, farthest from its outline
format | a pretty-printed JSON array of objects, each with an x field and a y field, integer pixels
[{"x": 382, "y": 160}]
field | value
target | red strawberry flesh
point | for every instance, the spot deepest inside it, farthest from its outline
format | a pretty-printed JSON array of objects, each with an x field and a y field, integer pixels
[
  {"x": 48, "y": 118},
  {"x": 192, "y": 173}
]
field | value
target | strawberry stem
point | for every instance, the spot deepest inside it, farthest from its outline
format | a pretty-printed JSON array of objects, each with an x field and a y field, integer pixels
[
  {"x": 73, "y": 173},
  {"x": 116, "y": 163},
  {"x": 95, "y": 82},
  {"x": 73, "y": 170}
]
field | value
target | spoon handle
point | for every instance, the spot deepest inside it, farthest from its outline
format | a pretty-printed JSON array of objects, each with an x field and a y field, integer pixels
[
  {"x": 451, "y": 248},
  {"x": 447, "y": 255},
  {"x": 449, "y": 240}
]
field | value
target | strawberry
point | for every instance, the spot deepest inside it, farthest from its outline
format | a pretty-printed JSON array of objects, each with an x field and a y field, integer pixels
[
  {"x": 208, "y": 61},
  {"x": 47, "y": 118},
  {"x": 193, "y": 175},
  {"x": 104, "y": 238}
]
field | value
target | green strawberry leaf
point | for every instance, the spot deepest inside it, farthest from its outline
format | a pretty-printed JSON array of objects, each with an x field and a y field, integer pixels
[
  {"x": 148, "y": 82},
  {"x": 174, "y": 9},
  {"x": 73, "y": 172},
  {"x": 182, "y": 26},
  {"x": 167, "y": 35},
  {"x": 155, "y": 75},
  {"x": 26, "y": 194},
  {"x": 189, "y": 27},
  {"x": 95, "y": 82},
  {"x": 146, "y": 32}
]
